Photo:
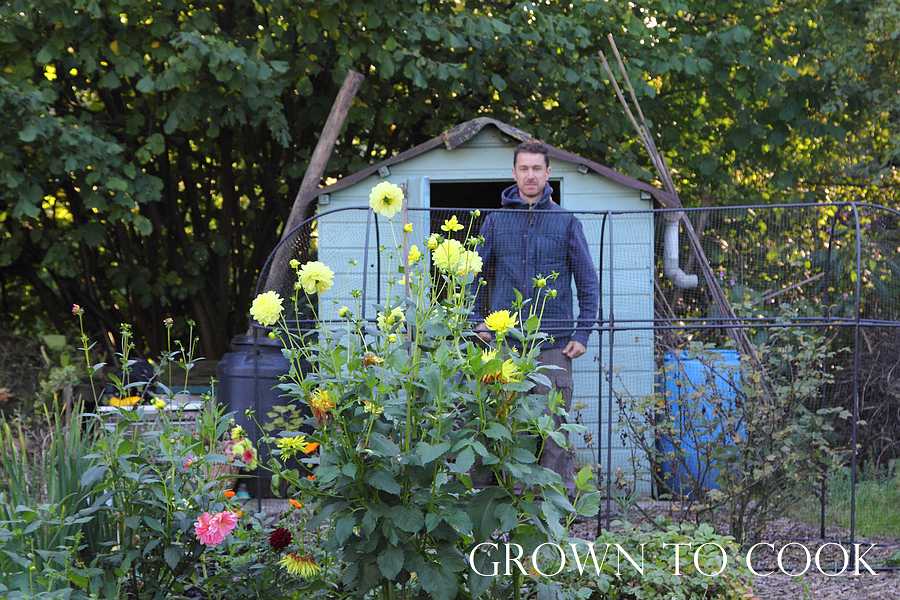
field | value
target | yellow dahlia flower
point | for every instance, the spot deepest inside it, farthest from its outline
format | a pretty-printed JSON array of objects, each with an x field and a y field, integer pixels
[
  {"x": 159, "y": 403},
  {"x": 386, "y": 199},
  {"x": 507, "y": 372},
  {"x": 500, "y": 321},
  {"x": 414, "y": 255},
  {"x": 408, "y": 228},
  {"x": 470, "y": 262},
  {"x": 266, "y": 308},
  {"x": 433, "y": 241},
  {"x": 315, "y": 277},
  {"x": 124, "y": 402},
  {"x": 451, "y": 224},
  {"x": 291, "y": 446},
  {"x": 304, "y": 567},
  {"x": 446, "y": 257},
  {"x": 488, "y": 355}
]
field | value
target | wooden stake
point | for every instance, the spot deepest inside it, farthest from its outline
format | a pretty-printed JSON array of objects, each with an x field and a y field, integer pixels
[
  {"x": 324, "y": 148},
  {"x": 643, "y": 131},
  {"x": 313, "y": 175}
]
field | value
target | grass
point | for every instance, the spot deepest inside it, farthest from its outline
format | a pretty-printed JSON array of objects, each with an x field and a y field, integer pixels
[{"x": 877, "y": 504}]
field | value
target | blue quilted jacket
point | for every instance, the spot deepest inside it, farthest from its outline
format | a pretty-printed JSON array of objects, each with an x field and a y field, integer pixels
[{"x": 522, "y": 244}]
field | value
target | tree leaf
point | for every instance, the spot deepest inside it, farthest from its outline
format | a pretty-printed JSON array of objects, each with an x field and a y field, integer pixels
[
  {"x": 145, "y": 84},
  {"x": 583, "y": 479},
  {"x": 588, "y": 505},
  {"x": 28, "y": 133}
]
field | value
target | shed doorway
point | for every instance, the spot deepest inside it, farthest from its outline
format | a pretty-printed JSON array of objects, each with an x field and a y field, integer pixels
[{"x": 467, "y": 196}]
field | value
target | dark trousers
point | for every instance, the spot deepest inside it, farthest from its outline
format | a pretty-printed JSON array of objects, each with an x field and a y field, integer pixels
[{"x": 553, "y": 457}]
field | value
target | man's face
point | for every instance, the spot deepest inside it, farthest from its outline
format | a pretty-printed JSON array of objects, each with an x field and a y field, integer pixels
[{"x": 531, "y": 174}]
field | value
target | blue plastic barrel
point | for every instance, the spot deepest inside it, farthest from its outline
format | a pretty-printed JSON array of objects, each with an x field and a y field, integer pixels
[
  {"x": 247, "y": 379},
  {"x": 693, "y": 387}
]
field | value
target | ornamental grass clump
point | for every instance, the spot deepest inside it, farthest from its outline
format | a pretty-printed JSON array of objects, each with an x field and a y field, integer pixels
[{"x": 426, "y": 445}]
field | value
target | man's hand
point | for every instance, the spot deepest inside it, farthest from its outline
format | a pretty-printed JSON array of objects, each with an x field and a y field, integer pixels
[
  {"x": 483, "y": 332},
  {"x": 574, "y": 349}
]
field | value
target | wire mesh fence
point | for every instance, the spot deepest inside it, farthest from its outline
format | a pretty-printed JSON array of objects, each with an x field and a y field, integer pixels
[{"x": 742, "y": 363}]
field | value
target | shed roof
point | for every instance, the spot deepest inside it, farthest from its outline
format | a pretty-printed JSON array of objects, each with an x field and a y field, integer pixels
[{"x": 462, "y": 133}]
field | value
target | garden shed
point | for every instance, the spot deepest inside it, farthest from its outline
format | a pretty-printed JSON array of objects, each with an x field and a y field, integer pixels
[{"x": 466, "y": 168}]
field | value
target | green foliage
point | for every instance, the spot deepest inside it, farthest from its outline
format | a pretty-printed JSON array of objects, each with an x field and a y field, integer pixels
[
  {"x": 426, "y": 444},
  {"x": 877, "y": 496},
  {"x": 763, "y": 432},
  {"x": 662, "y": 576},
  {"x": 47, "y": 508},
  {"x": 151, "y": 147},
  {"x": 104, "y": 505}
]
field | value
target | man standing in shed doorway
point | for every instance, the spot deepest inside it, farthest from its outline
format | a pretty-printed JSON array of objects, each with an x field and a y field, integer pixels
[{"x": 536, "y": 240}]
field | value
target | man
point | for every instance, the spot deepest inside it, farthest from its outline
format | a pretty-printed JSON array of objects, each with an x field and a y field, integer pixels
[{"x": 519, "y": 246}]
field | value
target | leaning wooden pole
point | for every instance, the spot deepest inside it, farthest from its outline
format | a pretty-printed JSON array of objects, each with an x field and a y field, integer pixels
[
  {"x": 640, "y": 124},
  {"x": 314, "y": 172},
  {"x": 324, "y": 147}
]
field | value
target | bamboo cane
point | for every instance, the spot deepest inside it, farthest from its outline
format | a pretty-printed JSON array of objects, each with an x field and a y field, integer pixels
[{"x": 640, "y": 125}]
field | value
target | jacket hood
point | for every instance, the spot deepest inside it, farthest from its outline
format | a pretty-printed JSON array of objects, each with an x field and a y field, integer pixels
[{"x": 510, "y": 198}]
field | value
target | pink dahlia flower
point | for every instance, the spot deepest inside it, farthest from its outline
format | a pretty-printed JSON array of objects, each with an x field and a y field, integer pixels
[{"x": 212, "y": 530}]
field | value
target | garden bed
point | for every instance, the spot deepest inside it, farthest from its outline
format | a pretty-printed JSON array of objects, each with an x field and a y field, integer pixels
[{"x": 885, "y": 584}]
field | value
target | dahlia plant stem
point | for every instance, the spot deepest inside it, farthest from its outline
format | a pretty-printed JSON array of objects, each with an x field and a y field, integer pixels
[
  {"x": 540, "y": 319},
  {"x": 189, "y": 358},
  {"x": 169, "y": 354},
  {"x": 298, "y": 345},
  {"x": 408, "y": 437},
  {"x": 125, "y": 341},
  {"x": 87, "y": 355}
]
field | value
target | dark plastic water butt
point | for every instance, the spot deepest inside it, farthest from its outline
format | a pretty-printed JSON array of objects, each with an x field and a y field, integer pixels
[
  {"x": 247, "y": 378},
  {"x": 685, "y": 375}
]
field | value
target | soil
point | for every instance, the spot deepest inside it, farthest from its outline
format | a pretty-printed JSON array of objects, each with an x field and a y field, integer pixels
[{"x": 883, "y": 585}]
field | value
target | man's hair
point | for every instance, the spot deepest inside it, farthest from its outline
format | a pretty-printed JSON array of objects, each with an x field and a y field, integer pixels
[{"x": 531, "y": 147}]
